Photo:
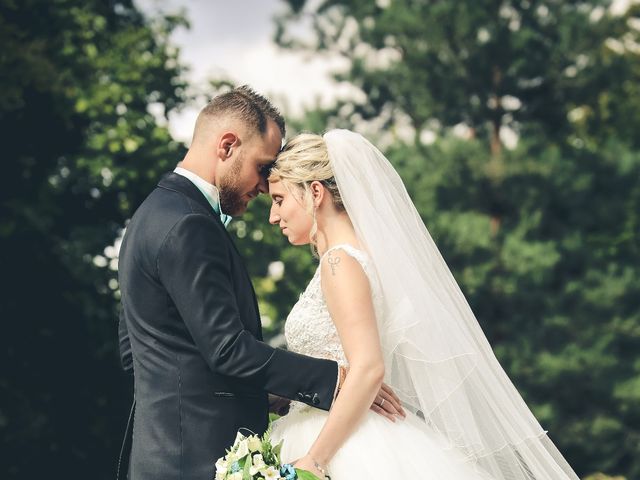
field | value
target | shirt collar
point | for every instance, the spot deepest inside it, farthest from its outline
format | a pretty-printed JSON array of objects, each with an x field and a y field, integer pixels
[{"x": 210, "y": 192}]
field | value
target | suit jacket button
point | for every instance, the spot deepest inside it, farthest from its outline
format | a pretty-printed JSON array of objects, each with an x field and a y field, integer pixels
[
  {"x": 315, "y": 400},
  {"x": 301, "y": 396}
]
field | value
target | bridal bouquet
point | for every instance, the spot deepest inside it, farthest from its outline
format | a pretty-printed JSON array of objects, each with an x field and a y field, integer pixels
[{"x": 255, "y": 458}]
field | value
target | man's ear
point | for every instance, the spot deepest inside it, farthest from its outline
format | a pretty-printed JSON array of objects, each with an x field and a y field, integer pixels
[
  {"x": 317, "y": 192},
  {"x": 228, "y": 141}
]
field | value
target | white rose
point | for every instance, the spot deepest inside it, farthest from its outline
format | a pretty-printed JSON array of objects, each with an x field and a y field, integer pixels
[
  {"x": 255, "y": 445},
  {"x": 257, "y": 464},
  {"x": 239, "y": 438},
  {"x": 221, "y": 466},
  {"x": 243, "y": 449},
  {"x": 270, "y": 473}
]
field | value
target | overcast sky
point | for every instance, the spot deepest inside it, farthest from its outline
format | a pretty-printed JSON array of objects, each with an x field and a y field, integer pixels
[{"x": 233, "y": 40}]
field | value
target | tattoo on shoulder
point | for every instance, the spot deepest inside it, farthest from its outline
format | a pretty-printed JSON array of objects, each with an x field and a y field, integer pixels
[{"x": 333, "y": 263}]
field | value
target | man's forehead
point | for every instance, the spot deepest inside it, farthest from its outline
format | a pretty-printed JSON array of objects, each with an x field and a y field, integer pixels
[
  {"x": 272, "y": 139},
  {"x": 263, "y": 155}
]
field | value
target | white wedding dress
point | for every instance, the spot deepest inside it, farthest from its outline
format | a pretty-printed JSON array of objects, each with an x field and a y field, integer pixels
[{"x": 378, "y": 448}]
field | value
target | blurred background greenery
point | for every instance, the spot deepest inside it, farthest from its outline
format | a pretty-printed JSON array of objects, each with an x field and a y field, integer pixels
[{"x": 514, "y": 124}]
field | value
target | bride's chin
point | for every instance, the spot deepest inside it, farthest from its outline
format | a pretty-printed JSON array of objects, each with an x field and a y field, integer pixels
[{"x": 297, "y": 242}]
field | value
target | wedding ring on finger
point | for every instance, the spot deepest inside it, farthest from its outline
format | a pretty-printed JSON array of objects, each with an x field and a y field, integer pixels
[{"x": 381, "y": 403}]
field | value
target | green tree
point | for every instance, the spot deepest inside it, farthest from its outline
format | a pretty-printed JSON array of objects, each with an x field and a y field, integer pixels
[
  {"x": 543, "y": 238},
  {"x": 78, "y": 84},
  {"x": 556, "y": 287},
  {"x": 489, "y": 64}
]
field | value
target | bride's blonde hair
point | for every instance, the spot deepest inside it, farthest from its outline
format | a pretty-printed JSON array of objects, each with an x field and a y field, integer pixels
[{"x": 305, "y": 159}]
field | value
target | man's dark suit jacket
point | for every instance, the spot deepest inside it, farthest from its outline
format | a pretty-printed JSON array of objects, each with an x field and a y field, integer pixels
[{"x": 190, "y": 331}]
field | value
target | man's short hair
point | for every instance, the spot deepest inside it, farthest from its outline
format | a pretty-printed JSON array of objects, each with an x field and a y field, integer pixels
[{"x": 247, "y": 106}]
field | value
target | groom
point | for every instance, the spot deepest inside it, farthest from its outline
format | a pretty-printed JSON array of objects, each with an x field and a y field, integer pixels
[{"x": 190, "y": 329}]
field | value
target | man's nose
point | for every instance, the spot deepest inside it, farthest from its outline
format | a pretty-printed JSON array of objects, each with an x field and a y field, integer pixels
[{"x": 263, "y": 185}]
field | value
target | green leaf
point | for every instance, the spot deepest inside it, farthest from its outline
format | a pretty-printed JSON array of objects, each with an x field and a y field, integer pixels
[
  {"x": 278, "y": 448},
  {"x": 305, "y": 475},
  {"x": 247, "y": 465}
]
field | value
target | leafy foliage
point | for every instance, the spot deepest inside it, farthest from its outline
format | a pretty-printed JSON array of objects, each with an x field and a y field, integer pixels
[
  {"x": 543, "y": 236},
  {"x": 82, "y": 148}
]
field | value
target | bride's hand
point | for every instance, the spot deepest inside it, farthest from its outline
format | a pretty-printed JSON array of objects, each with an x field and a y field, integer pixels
[
  {"x": 307, "y": 463},
  {"x": 388, "y": 404}
]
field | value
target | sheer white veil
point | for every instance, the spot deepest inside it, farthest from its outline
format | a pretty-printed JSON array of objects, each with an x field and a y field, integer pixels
[{"x": 436, "y": 356}]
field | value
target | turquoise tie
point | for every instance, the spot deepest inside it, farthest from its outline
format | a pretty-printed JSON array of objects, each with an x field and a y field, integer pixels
[{"x": 215, "y": 204}]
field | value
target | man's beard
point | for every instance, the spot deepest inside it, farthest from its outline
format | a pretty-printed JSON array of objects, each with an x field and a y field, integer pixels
[{"x": 231, "y": 201}]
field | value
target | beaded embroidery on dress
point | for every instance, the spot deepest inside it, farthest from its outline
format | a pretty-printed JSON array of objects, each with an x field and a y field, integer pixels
[
  {"x": 400, "y": 449},
  {"x": 309, "y": 329}
]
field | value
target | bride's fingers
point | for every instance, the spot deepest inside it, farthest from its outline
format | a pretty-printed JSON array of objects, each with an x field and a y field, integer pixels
[{"x": 383, "y": 412}]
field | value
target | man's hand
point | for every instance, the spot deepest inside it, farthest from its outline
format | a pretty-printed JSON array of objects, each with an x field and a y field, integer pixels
[
  {"x": 388, "y": 404},
  {"x": 278, "y": 405}
]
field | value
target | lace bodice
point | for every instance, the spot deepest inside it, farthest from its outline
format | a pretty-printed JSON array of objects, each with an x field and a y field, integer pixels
[{"x": 309, "y": 328}]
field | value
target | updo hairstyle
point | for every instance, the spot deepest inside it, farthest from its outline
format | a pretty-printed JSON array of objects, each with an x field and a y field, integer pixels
[{"x": 305, "y": 159}]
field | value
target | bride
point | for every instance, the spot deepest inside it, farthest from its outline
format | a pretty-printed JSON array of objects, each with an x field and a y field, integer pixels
[{"x": 384, "y": 303}]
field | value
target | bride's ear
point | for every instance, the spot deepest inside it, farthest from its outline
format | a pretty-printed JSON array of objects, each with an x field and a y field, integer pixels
[{"x": 317, "y": 192}]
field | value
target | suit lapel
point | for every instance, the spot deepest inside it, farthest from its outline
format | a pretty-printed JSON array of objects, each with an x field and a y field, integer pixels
[{"x": 180, "y": 184}]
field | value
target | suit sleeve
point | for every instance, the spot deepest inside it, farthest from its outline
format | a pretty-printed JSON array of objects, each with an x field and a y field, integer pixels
[
  {"x": 194, "y": 265},
  {"x": 126, "y": 358}
]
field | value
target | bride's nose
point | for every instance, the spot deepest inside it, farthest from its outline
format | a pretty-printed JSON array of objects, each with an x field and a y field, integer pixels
[{"x": 273, "y": 216}]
